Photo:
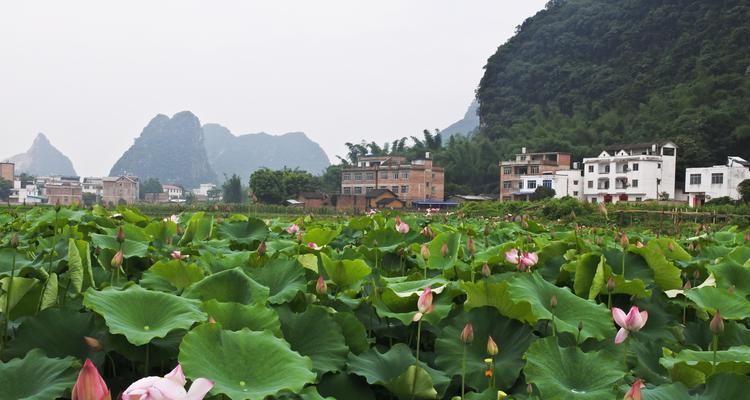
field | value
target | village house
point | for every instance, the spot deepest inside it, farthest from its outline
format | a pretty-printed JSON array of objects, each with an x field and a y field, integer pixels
[
  {"x": 706, "y": 183},
  {"x": 568, "y": 182},
  {"x": 411, "y": 181},
  {"x": 174, "y": 192},
  {"x": 119, "y": 189},
  {"x": 93, "y": 185},
  {"x": 634, "y": 172},
  {"x": 361, "y": 203},
  {"x": 64, "y": 193},
  {"x": 314, "y": 199},
  {"x": 516, "y": 175},
  {"x": 7, "y": 171}
]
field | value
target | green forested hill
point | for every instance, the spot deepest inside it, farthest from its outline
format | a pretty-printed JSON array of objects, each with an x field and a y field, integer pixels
[{"x": 584, "y": 73}]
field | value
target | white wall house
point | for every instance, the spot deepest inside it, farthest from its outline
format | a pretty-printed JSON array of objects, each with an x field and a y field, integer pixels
[
  {"x": 634, "y": 172},
  {"x": 563, "y": 182},
  {"x": 173, "y": 191},
  {"x": 706, "y": 183}
]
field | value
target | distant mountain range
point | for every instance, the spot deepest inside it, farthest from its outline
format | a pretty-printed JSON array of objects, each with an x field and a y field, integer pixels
[
  {"x": 43, "y": 159},
  {"x": 465, "y": 126},
  {"x": 179, "y": 150}
]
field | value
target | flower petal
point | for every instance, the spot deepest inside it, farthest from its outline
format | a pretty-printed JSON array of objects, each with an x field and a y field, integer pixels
[
  {"x": 417, "y": 317},
  {"x": 622, "y": 334},
  {"x": 199, "y": 388},
  {"x": 619, "y": 316},
  {"x": 176, "y": 375},
  {"x": 642, "y": 318}
]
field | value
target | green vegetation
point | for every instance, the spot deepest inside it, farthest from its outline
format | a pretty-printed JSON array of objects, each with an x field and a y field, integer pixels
[
  {"x": 232, "y": 188},
  {"x": 150, "y": 185},
  {"x": 273, "y": 187},
  {"x": 342, "y": 307}
]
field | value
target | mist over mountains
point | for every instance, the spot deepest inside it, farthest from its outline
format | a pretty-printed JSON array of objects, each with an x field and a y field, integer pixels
[{"x": 42, "y": 159}]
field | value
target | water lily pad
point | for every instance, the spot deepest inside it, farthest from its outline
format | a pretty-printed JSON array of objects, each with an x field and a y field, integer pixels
[
  {"x": 568, "y": 373},
  {"x": 315, "y": 334},
  {"x": 231, "y": 285},
  {"x": 36, "y": 377},
  {"x": 142, "y": 315},
  {"x": 245, "y": 364},
  {"x": 284, "y": 278}
]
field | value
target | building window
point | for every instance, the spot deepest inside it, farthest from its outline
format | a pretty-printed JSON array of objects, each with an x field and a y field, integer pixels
[
  {"x": 358, "y": 176},
  {"x": 370, "y": 176},
  {"x": 667, "y": 151},
  {"x": 507, "y": 170},
  {"x": 717, "y": 179},
  {"x": 383, "y": 174},
  {"x": 395, "y": 175},
  {"x": 506, "y": 184},
  {"x": 575, "y": 182},
  {"x": 591, "y": 184},
  {"x": 383, "y": 187},
  {"x": 593, "y": 200},
  {"x": 404, "y": 188},
  {"x": 658, "y": 166},
  {"x": 606, "y": 169},
  {"x": 369, "y": 188},
  {"x": 591, "y": 168},
  {"x": 695, "y": 179},
  {"x": 639, "y": 199},
  {"x": 547, "y": 183},
  {"x": 635, "y": 166},
  {"x": 347, "y": 190},
  {"x": 394, "y": 189},
  {"x": 358, "y": 190},
  {"x": 534, "y": 169},
  {"x": 634, "y": 183},
  {"x": 575, "y": 193},
  {"x": 531, "y": 184},
  {"x": 405, "y": 175}
]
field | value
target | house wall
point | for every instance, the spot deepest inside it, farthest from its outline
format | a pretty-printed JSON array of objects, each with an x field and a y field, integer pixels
[
  {"x": 652, "y": 177},
  {"x": 114, "y": 191},
  {"x": 705, "y": 190},
  {"x": 564, "y": 183},
  {"x": 423, "y": 180},
  {"x": 8, "y": 171},
  {"x": 65, "y": 194}
]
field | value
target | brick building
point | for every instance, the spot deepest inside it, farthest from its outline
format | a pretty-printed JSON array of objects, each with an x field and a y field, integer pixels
[
  {"x": 119, "y": 189},
  {"x": 410, "y": 181},
  {"x": 361, "y": 203},
  {"x": 314, "y": 199},
  {"x": 513, "y": 171},
  {"x": 7, "y": 171},
  {"x": 64, "y": 193}
]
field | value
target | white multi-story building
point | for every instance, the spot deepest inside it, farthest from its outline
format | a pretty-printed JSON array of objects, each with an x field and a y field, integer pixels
[
  {"x": 173, "y": 191},
  {"x": 706, "y": 183},
  {"x": 93, "y": 185},
  {"x": 567, "y": 182},
  {"x": 635, "y": 172}
]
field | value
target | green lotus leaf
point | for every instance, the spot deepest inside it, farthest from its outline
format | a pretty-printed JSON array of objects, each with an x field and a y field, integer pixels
[
  {"x": 49, "y": 294},
  {"x": 75, "y": 267},
  {"x": 527, "y": 297},
  {"x": 309, "y": 261},
  {"x": 21, "y": 287},
  {"x": 36, "y": 377},
  {"x": 284, "y": 278},
  {"x": 732, "y": 275},
  {"x": 731, "y": 305},
  {"x": 254, "y": 230},
  {"x": 670, "y": 249},
  {"x": 130, "y": 248},
  {"x": 384, "y": 368},
  {"x": 162, "y": 232},
  {"x": 320, "y": 236},
  {"x": 353, "y": 330},
  {"x": 436, "y": 260},
  {"x": 568, "y": 373},
  {"x": 591, "y": 275},
  {"x": 343, "y": 386},
  {"x": 314, "y": 333},
  {"x": 725, "y": 386},
  {"x": 236, "y": 316},
  {"x": 674, "y": 391},
  {"x": 58, "y": 332},
  {"x": 142, "y": 315},
  {"x": 693, "y": 367},
  {"x": 392, "y": 305},
  {"x": 199, "y": 228},
  {"x": 345, "y": 273},
  {"x": 512, "y": 338},
  {"x": 415, "y": 382},
  {"x": 245, "y": 364},
  {"x": 177, "y": 272},
  {"x": 6, "y": 261},
  {"x": 666, "y": 275},
  {"x": 88, "y": 275},
  {"x": 230, "y": 286}
]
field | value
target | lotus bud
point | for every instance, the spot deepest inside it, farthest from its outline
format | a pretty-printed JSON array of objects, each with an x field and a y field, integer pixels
[
  {"x": 529, "y": 389},
  {"x": 687, "y": 285},
  {"x": 120, "y": 236},
  {"x": 321, "y": 288},
  {"x": 424, "y": 251},
  {"x": 486, "y": 271},
  {"x": 696, "y": 274},
  {"x": 634, "y": 393},
  {"x": 470, "y": 246},
  {"x": 611, "y": 284},
  {"x": 747, "y": 236},
  {"x": 580, "y": 326},
  {"x": 14, "y": 241},
  {"x": 90, "y": 385},
  {"x": 492, "y": 348},
  {"x": 639, "y": 244},
  {"x": 427, "y": 232},
  {"x": 670, "y": 246},
  {"x": 553, "y": 301},
  {"x": 501, "y": 395},
  {"x": 93, "y": 344},
  {"x": 262, "y": 248},
  {"x": 444, "y": 250},
  {"x": 467, "y": 334},
  {"x": 117, "y": 259},
  {"x": 211, "y": 320},
  {"x": 691, "y": 247},
  {"x": 487, "y": 230},
  {"x": 730, "y": 290},
  {"x": 97, "y": 251},
  {"x": 624, "y": 242}
]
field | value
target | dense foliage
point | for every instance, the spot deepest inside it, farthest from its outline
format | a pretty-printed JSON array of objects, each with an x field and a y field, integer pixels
[
  {"x": 371, "y": 307},
  {"x": 585, "y": 73}
]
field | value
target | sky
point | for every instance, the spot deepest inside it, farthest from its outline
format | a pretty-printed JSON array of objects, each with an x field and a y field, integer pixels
[{"x": 90, "y": 74}]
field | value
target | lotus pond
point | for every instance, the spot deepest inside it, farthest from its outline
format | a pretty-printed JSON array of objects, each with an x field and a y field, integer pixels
[{"x": 374, "y": 307}]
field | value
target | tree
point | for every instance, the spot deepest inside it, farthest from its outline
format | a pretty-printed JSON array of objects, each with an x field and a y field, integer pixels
[
  {"x": 744, "y": 189},
  {"x": 543, "y": 192},
  {"x": 5, "y": 187},
  {"x": 150, "y": 185},
  {"x": 273, "y": 187},
  {"x": 330, "y": 181},
  {"x": 89, "y": 199},
  {"x": 233, "y": 189}
]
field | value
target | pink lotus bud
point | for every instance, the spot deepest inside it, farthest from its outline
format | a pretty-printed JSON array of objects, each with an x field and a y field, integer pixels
[
  {"x": 211, "y": 320},
  {"x": 512, "y": 256},
  {"x": 467, "y": 334},
  {"x": 321, "y": 287},
  {"x": 634, "y": 393},
  {"x": 14, "y": 241},
  {"x": 424, "y": 251},
  {"x": 610, "y": 284},
  {"x": 313, "y": 246},
  {"x": 470, "y": 246},
  {"x": 717, "y": 324},
  {"x": 553, "y": 301},
  {"x": 262, "y": 248},
  {"x": 292, "y": 229},
  {"x": 624, "y": 242},
  {"x": 687, "y": 285},
  {"x": 117, "y": 259},
  {"x": 424, "y": 304},
  {"x": 93, "y": 344},
  {"x": 444, "y": 249},
  {"x": 492, "y": 348},
  {"x": 696, "y": 274},
  {"x": 177, "y": 255},
  {"x": 90, "y": 385},
  {"x": 639, "y": 244},
  {"x": 427, "y": 232},
  {"x": 402, "y": 227},
  {"x": 120, "y": 236},
  {"x": 486, "y": 271},
  {"x": 670, "y": 246},
  {"x": 529, "y": 259}
]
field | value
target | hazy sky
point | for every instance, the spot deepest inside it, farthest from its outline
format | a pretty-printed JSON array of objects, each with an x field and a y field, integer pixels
[{"x": 91, "y": 74}]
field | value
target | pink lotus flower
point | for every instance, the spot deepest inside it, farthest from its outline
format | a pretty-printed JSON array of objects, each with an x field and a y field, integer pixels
[
  {"x": 632, "y": 322},
  {"x": 512, "y": 256},
  {"x": 529, "y": 259},
  {"x": 486, "y": 271},
  {"x": 313, "y": 246},
  {"x": 90, "y": 385},
  {"x": 424, "y": 304},
  {"x": 320, "y": 286},
  {"x": 173, "y": 218},
  {"x": 635, "y": 391},
  {"x": 401, "y": 227},
  {"x": 170, "y": 387},
  {"x": 427, "y": 232},
  {"x": 467, "y": 334},
  {"x": 177, "y": 255},
  {"x": 424, "y": 251},
  {"x": 292, "y": 229}
]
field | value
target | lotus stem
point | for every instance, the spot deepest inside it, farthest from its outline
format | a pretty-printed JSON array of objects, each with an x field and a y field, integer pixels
[
  {"x": 6, "y": 310},
  {"x": 715, "y": 345},
  {"x": 416, "y": 363},
  {"x": 463, "y": 373},
  {"x": 146, "y": 363}
]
